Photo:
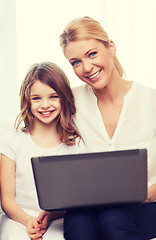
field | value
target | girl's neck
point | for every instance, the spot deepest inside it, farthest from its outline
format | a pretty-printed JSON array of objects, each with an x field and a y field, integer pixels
[{"x": 45, "y": 135}]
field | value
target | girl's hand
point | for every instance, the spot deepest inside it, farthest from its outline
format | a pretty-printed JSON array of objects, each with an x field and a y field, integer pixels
[
  {"x": 33, "y": 229},
  {"x": 151, "y": 193}
]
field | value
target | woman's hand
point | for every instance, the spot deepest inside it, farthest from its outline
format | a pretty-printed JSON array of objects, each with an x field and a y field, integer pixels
[
  {"x": 151, "y": 193},
  {"x": 33, "y": 229},
  {"x": 44, "y": 219}
]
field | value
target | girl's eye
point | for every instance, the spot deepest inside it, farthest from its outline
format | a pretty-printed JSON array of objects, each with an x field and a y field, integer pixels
[
  {"x": 35, "y": 98},
  {"x": 54, "y": 96},
  {"x": 75, "y": 63},
  {"x": 92, "y": 54}
]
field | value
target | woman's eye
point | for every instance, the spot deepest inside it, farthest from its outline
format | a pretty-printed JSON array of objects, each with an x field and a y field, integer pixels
[
  {"x": 92, "y": 54},
  {"x": 75, "y": 63}
]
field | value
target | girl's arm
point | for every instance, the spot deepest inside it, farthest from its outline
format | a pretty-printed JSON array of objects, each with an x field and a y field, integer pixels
[{"x": 9, "y": 205}]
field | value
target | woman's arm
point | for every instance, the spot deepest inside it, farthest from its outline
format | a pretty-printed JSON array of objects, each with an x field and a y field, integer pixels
[
  {"x": 50, "y": 215},
  {"x": 151, "y": 193}
]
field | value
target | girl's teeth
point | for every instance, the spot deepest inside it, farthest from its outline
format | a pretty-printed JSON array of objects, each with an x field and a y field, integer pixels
[{"x": 44, "y": 113}]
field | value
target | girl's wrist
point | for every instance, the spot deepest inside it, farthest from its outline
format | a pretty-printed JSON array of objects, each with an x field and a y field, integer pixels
[{"x": 28, "y": 219}]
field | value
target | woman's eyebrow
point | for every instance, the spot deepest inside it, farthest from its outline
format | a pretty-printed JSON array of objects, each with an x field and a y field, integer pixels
[
  {"x": 90, "y": 50},
  {"x": 71, "y": 59}
]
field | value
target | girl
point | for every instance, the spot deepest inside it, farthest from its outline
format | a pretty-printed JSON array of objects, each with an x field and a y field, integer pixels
[
  {"x": 47, "y": 111},
  {"x": 112, "y": 114}
]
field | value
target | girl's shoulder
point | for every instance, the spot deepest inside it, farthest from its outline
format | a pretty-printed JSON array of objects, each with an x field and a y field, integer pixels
[
  {"x": 15, "y": 134},
  {"x": 13, "y": 137},
  {"x": 11, "y": 143},
  {"x": 78, "y": 147}
]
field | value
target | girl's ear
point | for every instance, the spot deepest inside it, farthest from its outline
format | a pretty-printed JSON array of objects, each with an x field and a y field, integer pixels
[{"x": 112, "y": 48}]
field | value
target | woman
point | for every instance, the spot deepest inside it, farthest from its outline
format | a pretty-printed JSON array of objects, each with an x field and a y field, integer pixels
[{"x": 112, "y": 114}]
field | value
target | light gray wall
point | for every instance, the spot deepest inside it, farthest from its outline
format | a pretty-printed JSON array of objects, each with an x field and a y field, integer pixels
[{"x": 8, "y": 61}]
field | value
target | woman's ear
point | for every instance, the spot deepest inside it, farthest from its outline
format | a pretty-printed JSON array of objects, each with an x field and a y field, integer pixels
[{"x": 112, "y": 48}]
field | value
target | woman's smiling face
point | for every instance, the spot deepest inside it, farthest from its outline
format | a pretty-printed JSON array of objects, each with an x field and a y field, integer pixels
[{"x": 92, "y": 61}]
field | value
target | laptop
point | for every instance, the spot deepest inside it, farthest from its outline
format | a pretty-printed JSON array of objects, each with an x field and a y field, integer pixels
[{"x": 90, "y": 179}]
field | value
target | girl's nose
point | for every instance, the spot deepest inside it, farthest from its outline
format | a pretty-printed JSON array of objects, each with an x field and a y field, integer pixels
[{"x": 45, "y": 104}]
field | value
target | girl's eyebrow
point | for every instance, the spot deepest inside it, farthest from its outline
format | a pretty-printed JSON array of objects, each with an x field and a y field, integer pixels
[
  {"x": 37, "y": 95},
  {"x": 34, "y": 95}
]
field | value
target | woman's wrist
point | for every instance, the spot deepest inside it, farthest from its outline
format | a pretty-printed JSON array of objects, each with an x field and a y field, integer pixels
[{"x": 55, "y": 215}]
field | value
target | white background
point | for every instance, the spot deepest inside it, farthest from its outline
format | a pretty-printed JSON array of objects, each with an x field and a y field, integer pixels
[{"x": 30, "y": 29}]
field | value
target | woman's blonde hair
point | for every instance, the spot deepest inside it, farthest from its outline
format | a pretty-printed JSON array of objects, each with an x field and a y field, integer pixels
[
  {"x": 54, "y": 77},
  {"x": 87, "y": 28}
]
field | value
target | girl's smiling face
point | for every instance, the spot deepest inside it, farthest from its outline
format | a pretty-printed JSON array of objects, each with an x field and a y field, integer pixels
[
  {"x": 45, "y": 103},
  {"x": 92, "y": 61}
]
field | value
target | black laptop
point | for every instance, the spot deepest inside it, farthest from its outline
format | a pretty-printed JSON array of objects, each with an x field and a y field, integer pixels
[{"x": 90, "y": 179}]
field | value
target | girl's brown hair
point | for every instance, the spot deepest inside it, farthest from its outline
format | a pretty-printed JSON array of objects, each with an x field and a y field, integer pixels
[
  {"x": 87, "y": 28},
  {"x": 53, "y": 76}
]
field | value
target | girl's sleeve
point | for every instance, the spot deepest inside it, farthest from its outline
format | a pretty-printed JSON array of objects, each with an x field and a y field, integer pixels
[
  {"x": 79, "y": 147},
  {"x": 7, "y": 145}
]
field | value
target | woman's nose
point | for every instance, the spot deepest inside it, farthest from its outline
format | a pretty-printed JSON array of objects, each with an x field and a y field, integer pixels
[{"x": 87, "y": 66}]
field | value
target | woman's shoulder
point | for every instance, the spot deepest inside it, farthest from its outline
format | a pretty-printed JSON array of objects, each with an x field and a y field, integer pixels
[
  {"x": 83, "y": 95},
  {"x": 81, "y": 90},
  {"x": 142, "y": 87},
  {"x": 145, "y": 91}
]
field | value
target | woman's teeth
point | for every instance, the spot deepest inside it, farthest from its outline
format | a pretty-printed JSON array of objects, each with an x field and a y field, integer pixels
[{"x": 94, "y": 75}]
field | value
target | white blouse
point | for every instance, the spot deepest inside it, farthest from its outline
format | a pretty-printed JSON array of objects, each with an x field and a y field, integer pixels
[{"x": 136, "y": 127}]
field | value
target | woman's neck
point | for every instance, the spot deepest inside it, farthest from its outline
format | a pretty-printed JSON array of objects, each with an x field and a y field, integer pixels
[{"x": 115, "y": 90}]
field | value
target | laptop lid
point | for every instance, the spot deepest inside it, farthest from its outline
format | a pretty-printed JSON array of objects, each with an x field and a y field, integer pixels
[{"x": 90, "y": 179}]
